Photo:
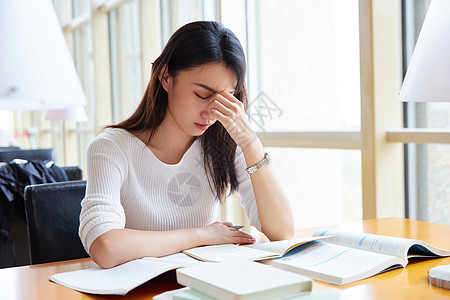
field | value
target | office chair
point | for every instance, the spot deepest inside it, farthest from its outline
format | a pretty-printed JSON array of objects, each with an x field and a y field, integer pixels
[
  {"x": 14, "y": 223},
  {"x": 52, "y": 213},
  {"x": 7, "y": 154},
  {"x": 33, "y": 154},
  {"x": 9, "y": 148}
]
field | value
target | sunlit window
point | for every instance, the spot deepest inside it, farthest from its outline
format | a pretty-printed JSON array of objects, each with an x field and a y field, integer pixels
[
  {"x": 126, "y": 74},
  {"x": 303, "y": 61}
]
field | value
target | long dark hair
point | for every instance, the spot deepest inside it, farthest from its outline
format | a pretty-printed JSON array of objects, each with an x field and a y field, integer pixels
[{"x": 193, "y": 45}]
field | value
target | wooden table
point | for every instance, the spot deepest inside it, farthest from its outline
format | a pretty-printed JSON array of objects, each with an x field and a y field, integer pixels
[{"x": 31, "y": 282}]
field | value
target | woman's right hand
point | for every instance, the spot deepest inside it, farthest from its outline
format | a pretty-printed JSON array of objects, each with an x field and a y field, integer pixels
[{"x": 222, "y": 233}]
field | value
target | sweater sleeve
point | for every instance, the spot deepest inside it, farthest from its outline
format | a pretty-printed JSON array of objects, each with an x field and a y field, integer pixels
[
  {"x": 101, "y": 209},
  {"x": 245, "y": 190}
]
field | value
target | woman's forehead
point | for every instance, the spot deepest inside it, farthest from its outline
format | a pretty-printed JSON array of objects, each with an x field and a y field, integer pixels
[{"x": 216, "y": 76}]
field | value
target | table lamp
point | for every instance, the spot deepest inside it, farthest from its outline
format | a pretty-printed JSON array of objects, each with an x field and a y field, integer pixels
[
  {"x": 36, "y": 69},
  {"x": 76, "y": 113},
  {"x": 428, "y": 80}
]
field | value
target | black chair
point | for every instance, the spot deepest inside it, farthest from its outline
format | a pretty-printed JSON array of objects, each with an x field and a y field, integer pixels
[
  {"x": 9, "y": 148},
  {"x": 73, "y": 173},
  {"x": 52, "y": 212},
  {"x": 7, "y": 154},
  {"x": 19, "y": 255},
  {"x": 33, "y": 154}
]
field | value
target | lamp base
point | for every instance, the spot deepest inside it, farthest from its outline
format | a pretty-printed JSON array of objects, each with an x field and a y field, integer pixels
[{"x": 440, "y": 276}]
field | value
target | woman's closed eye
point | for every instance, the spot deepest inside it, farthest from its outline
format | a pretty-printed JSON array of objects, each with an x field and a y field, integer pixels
[{"x": 204, "y": 98}]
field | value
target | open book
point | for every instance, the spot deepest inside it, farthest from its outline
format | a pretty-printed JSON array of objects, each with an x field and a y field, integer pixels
[
  {"x": 123, "y": 278},
  {"x": 257, "y": 251},
  {"x": 344, "y": 257}
]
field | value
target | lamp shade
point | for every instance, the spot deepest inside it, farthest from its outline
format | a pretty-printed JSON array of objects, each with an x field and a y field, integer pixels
[
  {"x": 428, "y": 76},
  {"x": 76, "y": 113},
  {"x": 36, "y": 69}
]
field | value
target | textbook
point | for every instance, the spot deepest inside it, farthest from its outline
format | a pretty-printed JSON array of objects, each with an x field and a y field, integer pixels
[
  {"x": 191, "y": 294},
  {"x": 121, "y": 279},
  {"x": 257, "y": 251},
  {"x": 344, "y": 257},
  {"x": 243, "y": 280}
]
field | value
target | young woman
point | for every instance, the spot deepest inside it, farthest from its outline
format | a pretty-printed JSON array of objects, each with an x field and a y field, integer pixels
[{"x": 155, "y": 180}]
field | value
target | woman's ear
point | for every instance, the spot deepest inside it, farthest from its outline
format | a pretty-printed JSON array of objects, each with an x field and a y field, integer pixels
[{"x": 164, "y": 77}]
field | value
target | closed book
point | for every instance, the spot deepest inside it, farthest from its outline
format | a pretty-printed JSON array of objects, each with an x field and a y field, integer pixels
[
  {"x": 190, "y": 294},
  {"x": 243, "y": 280}
]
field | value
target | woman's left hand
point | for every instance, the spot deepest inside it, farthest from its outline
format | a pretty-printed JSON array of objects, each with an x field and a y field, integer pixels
[{"x": 229, "y": 111}]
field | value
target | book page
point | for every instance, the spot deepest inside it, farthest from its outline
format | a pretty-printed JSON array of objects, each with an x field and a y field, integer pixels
[
  {"x": 333, "y": 263},
  {"x": 371, "y": 242},
  {"x": 180, "y": 259},
  {"x": 228, "y": 252},
  {"x": 117, "y": 280},
  {"x": 282, "y": 247}
]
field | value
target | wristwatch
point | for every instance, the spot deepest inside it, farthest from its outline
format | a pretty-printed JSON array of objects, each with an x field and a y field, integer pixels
[{"x": 266, "y": 160}]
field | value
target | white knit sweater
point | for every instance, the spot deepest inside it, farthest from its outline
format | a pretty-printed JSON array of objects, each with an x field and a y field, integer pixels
[{"x": 129, "y": 187}]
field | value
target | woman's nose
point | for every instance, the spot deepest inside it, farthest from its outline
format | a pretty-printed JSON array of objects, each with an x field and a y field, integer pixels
[
  {"x": 208, "y": 118},
  {"x": 205, "y": 115}
]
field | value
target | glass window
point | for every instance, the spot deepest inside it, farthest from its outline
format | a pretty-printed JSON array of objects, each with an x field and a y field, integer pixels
[
  {"x": 433, "y": 183},
  {"x": 80, "y": 7},
  {"x": 233, "y": 15},
  {"x": 176, "y": 13},
  {"x": 5, "y": 119},
  {"x": 311, "y": 82},
  {"x": 126, "y": 73},
  {"x": 323, "y": 185},
  {"x": 83, "y": 62},
  {"x": 63, "y": 9},
  {"x": 306, "y": 70},
  {"x": 7, "y": 129}
]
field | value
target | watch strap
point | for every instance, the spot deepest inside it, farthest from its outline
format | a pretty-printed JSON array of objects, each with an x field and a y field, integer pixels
[{"x": 266, "y": 160}]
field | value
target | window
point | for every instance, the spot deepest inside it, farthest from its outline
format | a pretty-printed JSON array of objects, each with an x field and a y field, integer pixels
[
  {"x": 80, "y": 7},
  {"x": 311, "y": 83},
  {"x": 5, "y": 126},
  {"x": 176, "y": 13},
  {"x": 126, "y": 72},
  {"x": 314, "y": 77},
  {"x": 70, "y": 139},
  {"x": 323, "y": 186},
  {"x": 83, "y": 53}
]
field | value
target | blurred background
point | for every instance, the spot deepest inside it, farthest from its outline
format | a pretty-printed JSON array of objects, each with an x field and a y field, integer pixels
[{"x": 323, "y": 80}]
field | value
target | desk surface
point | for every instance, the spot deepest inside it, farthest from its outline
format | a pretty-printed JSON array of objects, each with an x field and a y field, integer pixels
[{"x": 31, "y": 282}]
